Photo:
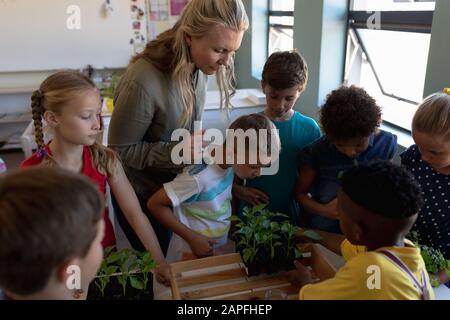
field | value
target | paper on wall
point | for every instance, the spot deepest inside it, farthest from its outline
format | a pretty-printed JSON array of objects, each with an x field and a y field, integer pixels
[{"x": 159, "y": 10}]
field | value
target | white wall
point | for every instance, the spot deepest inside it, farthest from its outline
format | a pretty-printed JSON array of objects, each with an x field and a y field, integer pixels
[{"x": 35, "y": 35}]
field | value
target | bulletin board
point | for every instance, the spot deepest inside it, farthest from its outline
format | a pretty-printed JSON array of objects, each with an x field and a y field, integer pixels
[
  {"x": 162, "y": 15},
  {"x": 47, "y": 34}
]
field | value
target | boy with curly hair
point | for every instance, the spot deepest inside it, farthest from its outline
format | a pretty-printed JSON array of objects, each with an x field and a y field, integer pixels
[
  {"x": 377, "y": 205},
  {"x": 350, "y": 120}
]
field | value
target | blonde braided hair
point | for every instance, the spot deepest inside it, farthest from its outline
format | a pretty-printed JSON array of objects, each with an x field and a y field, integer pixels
[
  {"x": 54, "y": 93},
  {"x": 37, "y": 112}
]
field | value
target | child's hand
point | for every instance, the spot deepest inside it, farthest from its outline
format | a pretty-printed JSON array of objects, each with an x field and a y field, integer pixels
[
  {"x": 250, "y": 195},
  {"x": 444, "y": 276},
  {"x": 331, "y": 209},
  {"x": 300, "y": 236},
  {"x": 162, "y": 274},
  {"x": 201, "y": 245},
  {"x": 299, "y": 277}
]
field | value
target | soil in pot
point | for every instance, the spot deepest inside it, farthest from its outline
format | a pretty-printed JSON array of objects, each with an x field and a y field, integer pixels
[{"x": 114, "y": 291}]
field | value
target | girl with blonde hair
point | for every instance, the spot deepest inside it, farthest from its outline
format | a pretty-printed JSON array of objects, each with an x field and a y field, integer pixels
[
  {"x": 164, "y": 89},
  {"x": 429, "y": 161},
  {"x": 70, "y": 104}
]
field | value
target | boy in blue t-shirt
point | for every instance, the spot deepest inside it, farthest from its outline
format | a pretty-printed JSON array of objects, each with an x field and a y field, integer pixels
[
  {"x": 350, "y": 120},
  {"x": 284, "y": 78}
]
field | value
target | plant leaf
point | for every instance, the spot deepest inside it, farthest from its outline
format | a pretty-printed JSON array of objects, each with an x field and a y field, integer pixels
[
  {"x": 259, "y": 207},
  {"x": 111, "y": 269},
  {"x": 274, "y": 226},
  {"x": 136, "y": 283},
  {"x": 285, "y": 227},
  {"x": 312, "y": 235},
  {"x": 247, "y": 255}
]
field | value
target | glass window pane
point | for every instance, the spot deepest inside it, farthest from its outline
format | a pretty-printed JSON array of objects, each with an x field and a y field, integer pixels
[
  {"x": 393, "y": 5},
  {"x": 282, "y": 5},
  {"x": 400, "y": 60},
  {"x": 394, "y": 111},
  {"x": 287, "y": 21},
  {"x": 280, "y": 39}
]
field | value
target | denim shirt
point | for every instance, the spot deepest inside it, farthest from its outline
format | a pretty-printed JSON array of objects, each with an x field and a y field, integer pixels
[{"x": 329, "y": 165}]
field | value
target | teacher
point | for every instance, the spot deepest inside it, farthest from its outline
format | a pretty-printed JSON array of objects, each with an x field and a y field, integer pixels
[{"x": 164, "y": 89}]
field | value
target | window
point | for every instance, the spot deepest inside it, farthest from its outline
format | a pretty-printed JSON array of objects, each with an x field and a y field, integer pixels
[
  {"x": 387, "y": 53},
  {"x": 281, "y": 25},
  {"x": 393, "y": 5}
]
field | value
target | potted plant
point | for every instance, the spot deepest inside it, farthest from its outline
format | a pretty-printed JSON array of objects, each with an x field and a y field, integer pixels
[
  {"x": 124, "y": 274},
  {"x": 437, "y": 266},
  {"x": 265, "y": 240}
]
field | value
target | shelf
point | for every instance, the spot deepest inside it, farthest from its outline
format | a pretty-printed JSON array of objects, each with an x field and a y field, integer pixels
[
  {"x": 12, "y": 142},
  {"x": 10, "y": 146},
  {"x": 17, "y": 90},
  {"x": 244, "y": 98},
  {"x": 15, "y": 118}
]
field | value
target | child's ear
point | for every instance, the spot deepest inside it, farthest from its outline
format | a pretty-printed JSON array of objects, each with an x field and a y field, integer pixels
[
  {"x": 359, "y": 231},
  {"x": 263, "y": 87},
  {"x": 69, "y": 268},
  {"x": 68, "y": 274},
  {"x": 51, "y": 119}
]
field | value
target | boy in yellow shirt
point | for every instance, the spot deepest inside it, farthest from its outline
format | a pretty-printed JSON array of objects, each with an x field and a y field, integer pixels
[{"x": 377, "y": 205}]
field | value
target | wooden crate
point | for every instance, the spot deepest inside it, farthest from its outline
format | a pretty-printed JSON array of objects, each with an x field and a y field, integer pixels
[{"x": 225, "y": 277}]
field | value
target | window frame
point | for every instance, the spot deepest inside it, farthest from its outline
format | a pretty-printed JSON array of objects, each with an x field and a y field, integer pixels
[
  {"x": 280, "y": 27},
  {"x": 399, "y": 21}
]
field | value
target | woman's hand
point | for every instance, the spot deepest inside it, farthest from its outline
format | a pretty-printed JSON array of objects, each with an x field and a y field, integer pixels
[
  {"x": 201, "y": 245},
  {"x": 250, "y": 195}
]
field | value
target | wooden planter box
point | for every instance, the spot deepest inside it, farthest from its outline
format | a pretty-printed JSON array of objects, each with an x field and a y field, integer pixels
[{"x": 225, "y": 277}]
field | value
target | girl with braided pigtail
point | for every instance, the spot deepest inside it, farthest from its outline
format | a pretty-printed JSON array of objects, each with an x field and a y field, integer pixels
[
  {"x": 70, "y": 104},
  {"x": 37, "y": 112}
]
